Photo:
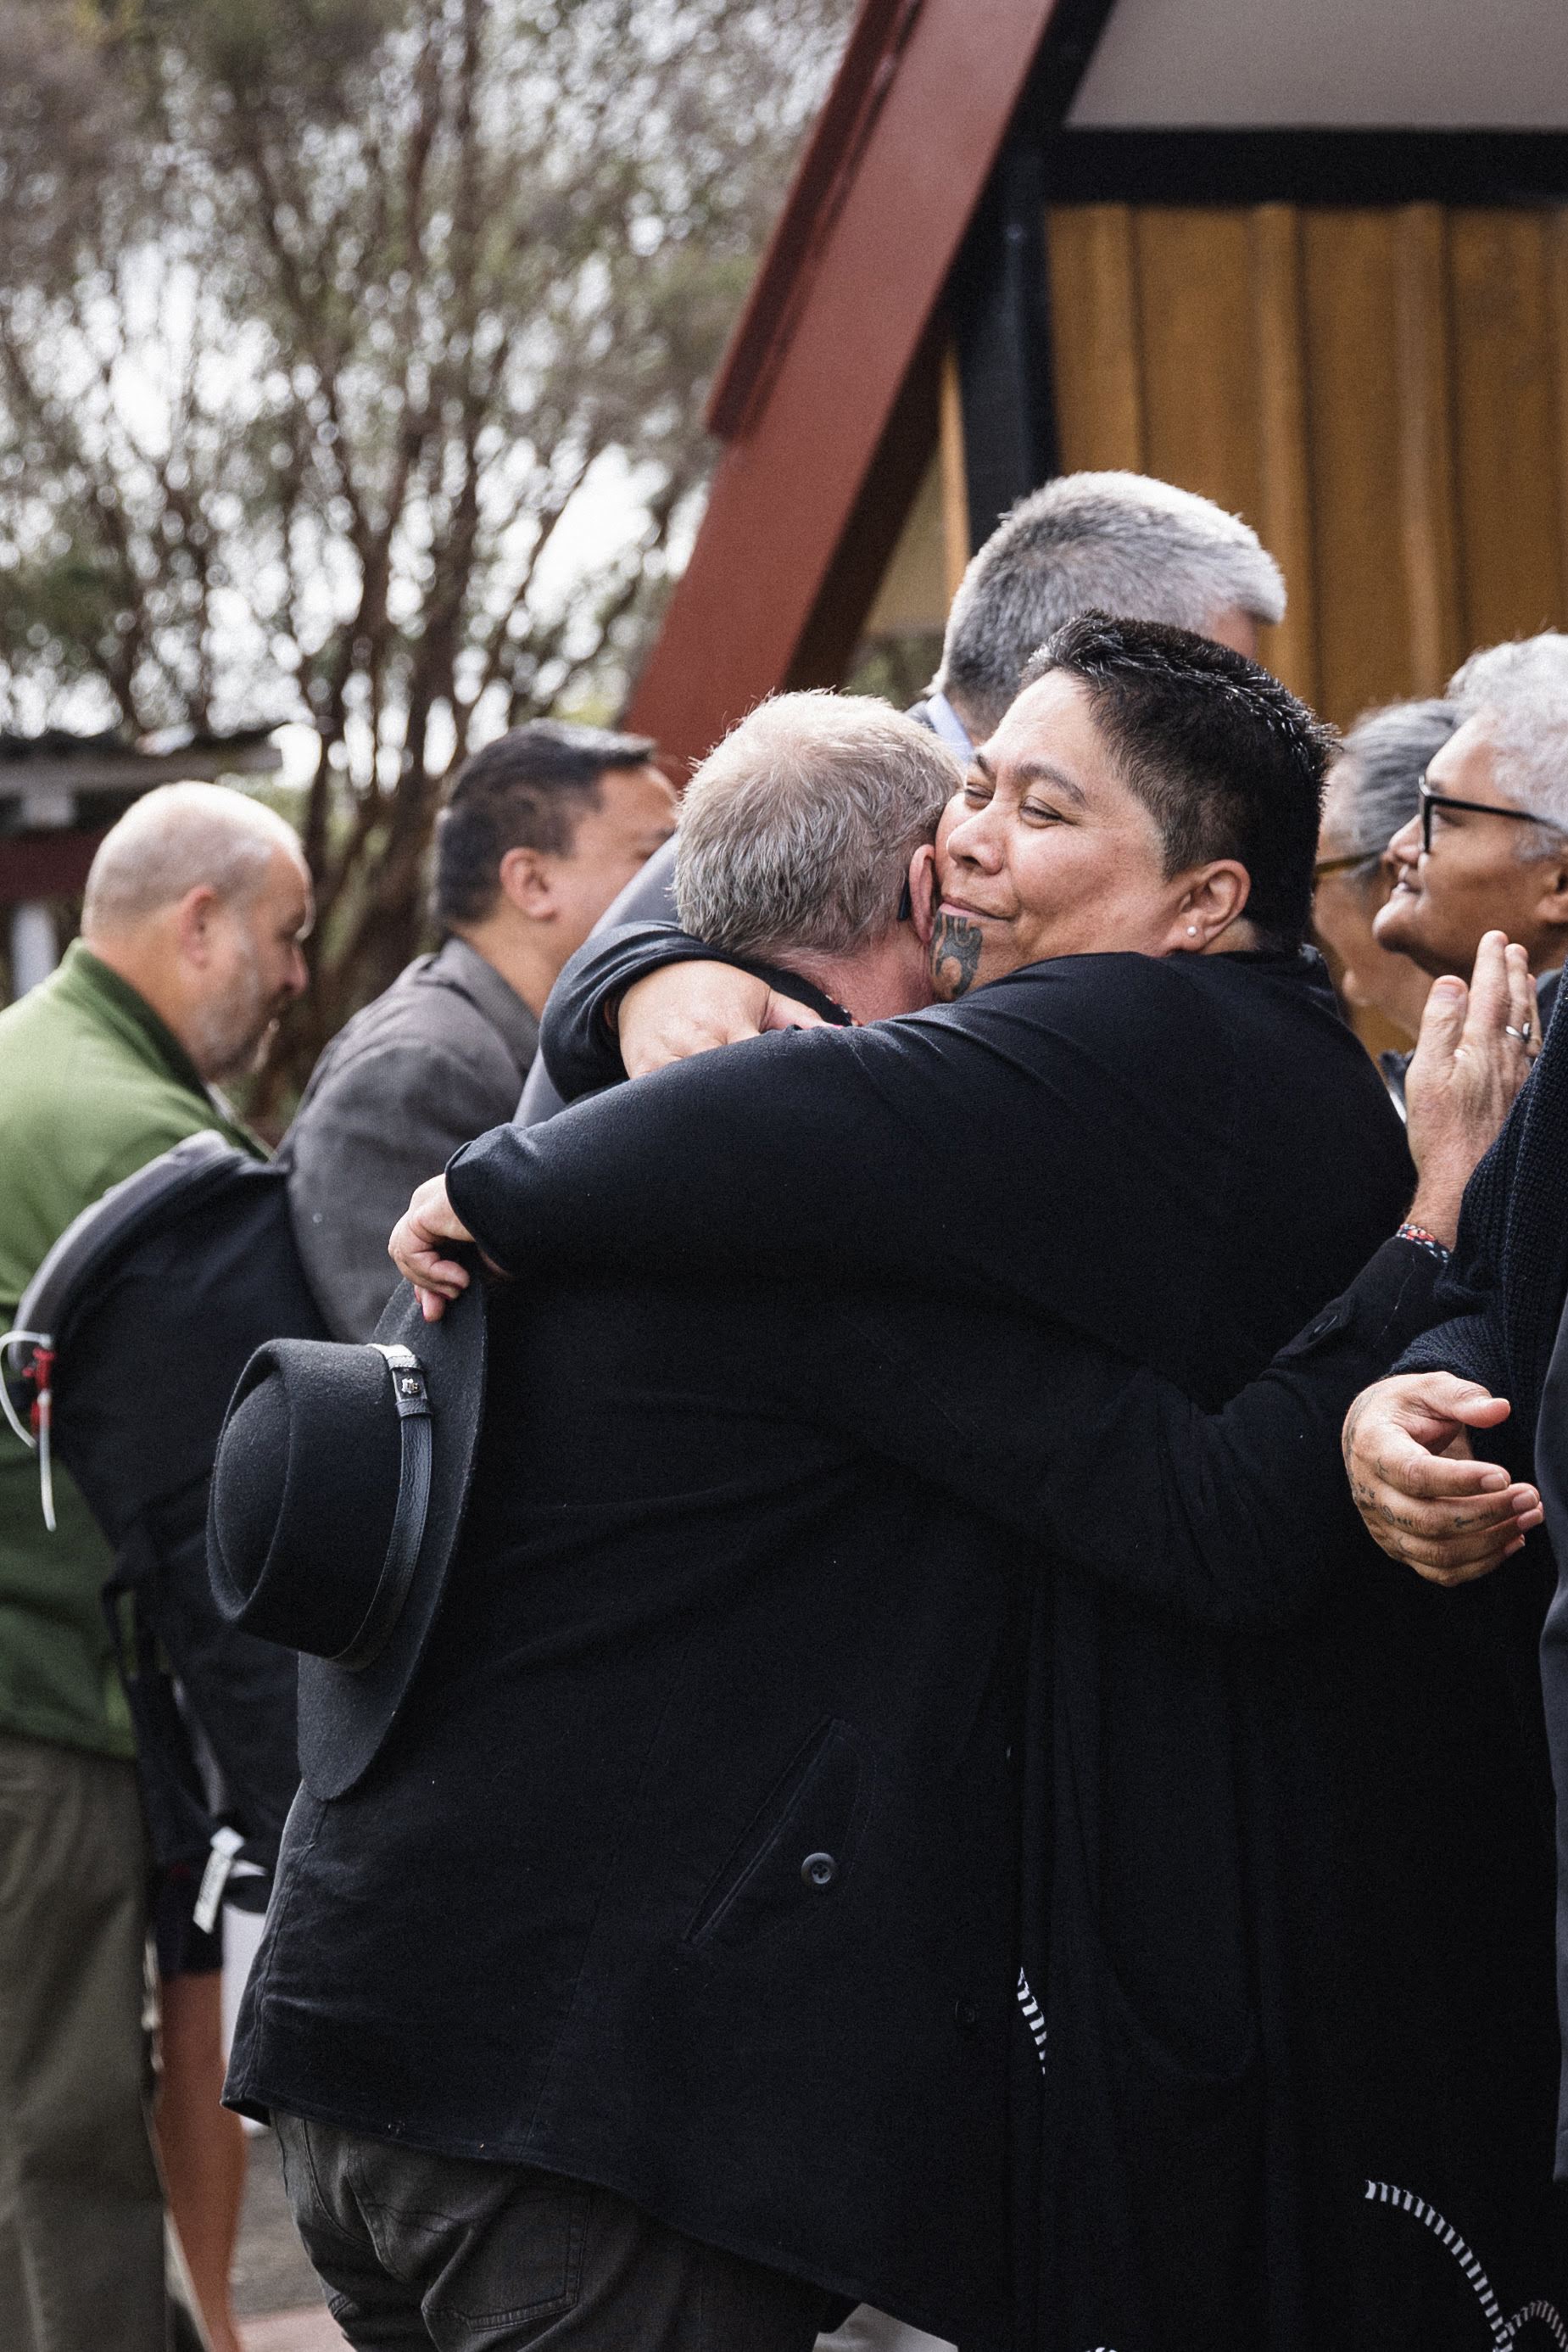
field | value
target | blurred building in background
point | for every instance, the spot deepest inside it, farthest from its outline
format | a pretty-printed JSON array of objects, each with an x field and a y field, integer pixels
[
  {"x": 59, "y": 793},
  {"x": 1312, "y": 262}
]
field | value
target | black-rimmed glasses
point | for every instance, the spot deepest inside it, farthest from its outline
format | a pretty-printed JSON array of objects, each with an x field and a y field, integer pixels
[{"x": 1431, "y": 800}]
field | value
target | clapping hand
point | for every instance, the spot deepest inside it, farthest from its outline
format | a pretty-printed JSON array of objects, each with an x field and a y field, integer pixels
[
  {"x": 1474, "y": 1053},
  {"x": 1424, "y": 1496}
]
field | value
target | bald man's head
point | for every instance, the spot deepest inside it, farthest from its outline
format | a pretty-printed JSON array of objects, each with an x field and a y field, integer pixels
[
  {"x": 176, "y": 839},
  {"x": 199, "y": 897}
]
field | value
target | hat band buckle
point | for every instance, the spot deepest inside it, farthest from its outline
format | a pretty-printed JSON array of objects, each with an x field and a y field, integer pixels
[{"x": 411, "y": 1399}]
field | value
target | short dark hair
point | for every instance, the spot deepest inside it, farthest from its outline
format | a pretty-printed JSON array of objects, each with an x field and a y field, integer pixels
[
  {"x": 1227, "y": 760},
  {"x": 529, "y": 790}
]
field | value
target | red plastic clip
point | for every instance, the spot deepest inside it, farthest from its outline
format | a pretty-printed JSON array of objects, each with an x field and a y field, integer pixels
[
  {"x": 40, "y": 1378},
  {"x": 41, "y": 1373}
]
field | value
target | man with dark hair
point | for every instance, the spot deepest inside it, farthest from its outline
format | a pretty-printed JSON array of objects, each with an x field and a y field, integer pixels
[{"x": 539, "y": 830}]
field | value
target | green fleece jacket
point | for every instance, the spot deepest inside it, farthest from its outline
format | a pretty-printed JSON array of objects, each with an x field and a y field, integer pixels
[{"x": 92, "y": 1086}]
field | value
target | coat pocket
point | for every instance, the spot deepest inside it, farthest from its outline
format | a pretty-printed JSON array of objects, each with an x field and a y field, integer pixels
[
  {"x": 798, "y": 1848},
  {"x": 1171, "y": 2184}
]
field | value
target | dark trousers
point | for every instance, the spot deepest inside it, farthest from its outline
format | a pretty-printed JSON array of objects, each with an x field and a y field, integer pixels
[
  {"x": 81, "y": 2211},
  {"x": 474, "y": 2257}
]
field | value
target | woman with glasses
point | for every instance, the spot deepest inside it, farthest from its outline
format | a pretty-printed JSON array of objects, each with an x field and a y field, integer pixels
[{"x": 1371, "y": 796}]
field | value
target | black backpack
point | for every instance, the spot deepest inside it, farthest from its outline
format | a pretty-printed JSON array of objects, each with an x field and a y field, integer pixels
[{"x": 128, "y": 1344}]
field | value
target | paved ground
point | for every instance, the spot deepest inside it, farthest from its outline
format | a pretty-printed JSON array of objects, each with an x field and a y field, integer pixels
[
  {"x": 275, "y": 2292},
  {"x": 291, "y": 2331}
]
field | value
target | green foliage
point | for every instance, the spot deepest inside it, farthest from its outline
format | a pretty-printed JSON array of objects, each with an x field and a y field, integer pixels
[{"x": 324, "y": 324}]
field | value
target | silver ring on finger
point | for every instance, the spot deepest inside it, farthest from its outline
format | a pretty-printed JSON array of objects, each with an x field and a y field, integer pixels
[{"x": 1523, "y": 1035}]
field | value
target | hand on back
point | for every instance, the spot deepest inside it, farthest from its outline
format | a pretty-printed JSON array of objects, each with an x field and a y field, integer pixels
[{"x": 1425, "y": 1498}]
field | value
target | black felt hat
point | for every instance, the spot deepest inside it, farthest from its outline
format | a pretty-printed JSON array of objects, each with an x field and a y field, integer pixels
[{"x": 337, "y": 1497}]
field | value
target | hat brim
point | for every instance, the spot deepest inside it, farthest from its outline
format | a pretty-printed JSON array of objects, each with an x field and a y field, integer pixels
[{"x": 346, "y": 1714}]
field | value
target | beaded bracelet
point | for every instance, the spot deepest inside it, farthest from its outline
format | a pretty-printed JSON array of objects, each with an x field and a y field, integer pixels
[{"x": 1424, "y": 1240}]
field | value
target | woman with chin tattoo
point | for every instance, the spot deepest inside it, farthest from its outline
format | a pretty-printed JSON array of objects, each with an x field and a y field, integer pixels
[{"x": 1282, "y": 2040}]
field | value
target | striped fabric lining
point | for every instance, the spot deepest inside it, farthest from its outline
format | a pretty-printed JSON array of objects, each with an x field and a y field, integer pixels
[{"x": 1503, "y": 2331}]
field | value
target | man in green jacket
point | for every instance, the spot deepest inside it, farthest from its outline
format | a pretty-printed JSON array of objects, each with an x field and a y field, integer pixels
[{"x": 196, "y": 907}]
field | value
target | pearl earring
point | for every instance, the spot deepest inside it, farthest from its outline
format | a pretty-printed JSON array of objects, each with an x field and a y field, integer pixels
[{"x": 1192, "y": 931}]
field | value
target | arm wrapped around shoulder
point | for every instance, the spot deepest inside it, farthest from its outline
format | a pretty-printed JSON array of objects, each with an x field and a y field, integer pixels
[{"x": 1233, "y": 1518}]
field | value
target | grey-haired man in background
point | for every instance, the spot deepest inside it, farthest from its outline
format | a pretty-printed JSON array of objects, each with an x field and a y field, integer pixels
[
  {"x": 1499, "y": 824},
  {"x": 539, "y": 830},
  {"x": 1488, "y": 847},
  {"x": 1118, "y": 543}
]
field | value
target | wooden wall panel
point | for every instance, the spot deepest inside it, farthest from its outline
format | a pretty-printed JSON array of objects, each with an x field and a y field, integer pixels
[
  {"x": 954, "y": 483},
  {"x": 1428, "y": 487},
  {"x": 1508, "y": 468},
  {"x": 1382, "y": 392},
  {"x": 1557, "y": 304},
  {"x": 1363, "y": 614},
  {"x": 1194, "y": 288},
  {"x": 1282, "y": 408},
  {"x": 1098, "y": 337}
]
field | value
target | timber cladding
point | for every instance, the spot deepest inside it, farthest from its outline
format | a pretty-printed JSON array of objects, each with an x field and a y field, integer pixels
[{"x": 1381, "y": 391}]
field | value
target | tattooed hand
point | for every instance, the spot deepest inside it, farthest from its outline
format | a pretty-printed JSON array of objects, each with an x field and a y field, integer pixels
[
  {"x": 956, "y": 946},
  {"x": 1425, "y": 1498}
]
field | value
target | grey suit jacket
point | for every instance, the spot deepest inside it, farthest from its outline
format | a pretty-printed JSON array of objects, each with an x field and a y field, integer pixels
[{"x": 433, "y": 1062}]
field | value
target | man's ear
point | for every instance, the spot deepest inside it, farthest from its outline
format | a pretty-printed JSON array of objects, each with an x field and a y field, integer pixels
[
  {"x": 923, "y": 892},
  {"x": 1551, "y": 907},
  {"x": 528, "y": 883},
  {"x": 1213, "y": 898},
  {"x": 193, "y": 918}
]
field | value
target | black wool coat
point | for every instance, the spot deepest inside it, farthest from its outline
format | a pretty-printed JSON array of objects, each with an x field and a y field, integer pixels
[
  {"x": 728, "y": 1606},
  {"x": 1243, "y": 1849},
  {"x": 686, "y": 1868}
]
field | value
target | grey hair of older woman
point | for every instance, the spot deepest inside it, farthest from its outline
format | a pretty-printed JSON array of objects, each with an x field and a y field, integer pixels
[{"x": 1380, "y": 763}]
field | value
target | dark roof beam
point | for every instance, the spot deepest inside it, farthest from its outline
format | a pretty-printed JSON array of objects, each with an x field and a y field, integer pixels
[{"x": 1300, "y": 167}]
